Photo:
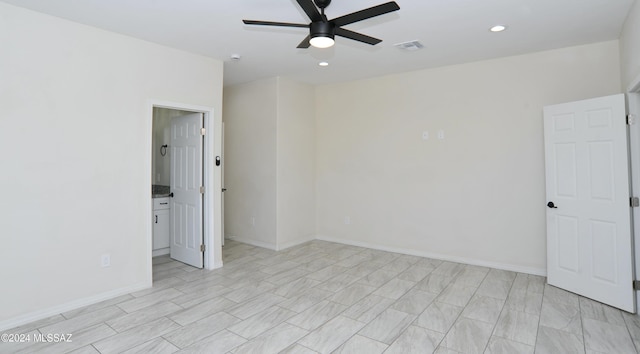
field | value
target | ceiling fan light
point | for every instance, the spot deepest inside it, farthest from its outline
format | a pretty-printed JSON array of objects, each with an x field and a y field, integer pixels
[
  {"x": 498, "y": 28},
  {"x": 322, "y": 42},
  {"x": 322, "y": 34}
]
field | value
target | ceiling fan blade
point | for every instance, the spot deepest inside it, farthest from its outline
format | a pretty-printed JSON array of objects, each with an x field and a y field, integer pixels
[
  {"x": 268, "y": 23},
  {"x": 366, "y": 13},
  {"x": 305, "y": 43},
  {"x": 357, "y": 36},
  {"x": 310, "y": 9}
]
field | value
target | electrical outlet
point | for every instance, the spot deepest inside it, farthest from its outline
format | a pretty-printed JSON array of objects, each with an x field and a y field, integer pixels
[
  {"x": 347, "y": 220},
  {"x": 441, "y": 134},
  {"x": 106, "y": 260}
]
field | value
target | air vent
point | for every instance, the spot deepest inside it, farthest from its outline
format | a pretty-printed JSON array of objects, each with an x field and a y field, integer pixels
[{"x": 410, "y": 46}]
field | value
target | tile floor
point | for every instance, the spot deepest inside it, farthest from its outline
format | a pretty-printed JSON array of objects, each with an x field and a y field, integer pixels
[{"x": 323, "y": 297}]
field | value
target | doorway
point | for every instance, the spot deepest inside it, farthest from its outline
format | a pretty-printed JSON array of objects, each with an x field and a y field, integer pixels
[{"x": 211, "y": 180}]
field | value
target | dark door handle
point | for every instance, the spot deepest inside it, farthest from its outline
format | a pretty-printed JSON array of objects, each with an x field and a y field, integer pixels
[
  {"x": 171, "y": 195},
  {"x": 551, "y": 205},
  {"x": 224, "y": 189}
]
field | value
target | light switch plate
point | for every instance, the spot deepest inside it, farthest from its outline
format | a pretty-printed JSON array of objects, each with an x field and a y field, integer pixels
[{"x": 106, "y": 260}]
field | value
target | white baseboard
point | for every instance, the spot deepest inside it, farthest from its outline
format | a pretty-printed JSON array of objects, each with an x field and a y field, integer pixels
[
  {"x": 412, "y": 252},
  {"x": 253, "y": 242},
  {"x": 160, "y": 252},
  {"x": 73, "y": 305},
  {"x": 296, "y": 242},
  {"x": 271, "y": 246}
]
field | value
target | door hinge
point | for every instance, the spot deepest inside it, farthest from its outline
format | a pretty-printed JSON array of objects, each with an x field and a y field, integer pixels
[
  {"x": 203, "y": 131},
  {"x": 202, "y": 248},
  {"x": 631, "y": 119},
  {"x": 201, "y": 189},
  {"x": 634, "y": 202}
]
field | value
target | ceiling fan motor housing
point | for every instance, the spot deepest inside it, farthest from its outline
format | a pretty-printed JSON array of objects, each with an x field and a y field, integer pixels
[
  {"x": 322, "y": 29},
  {"x": 322, "y": 3}
]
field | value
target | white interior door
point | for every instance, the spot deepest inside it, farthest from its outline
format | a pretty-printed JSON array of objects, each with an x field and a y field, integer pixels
[
  {"x": 589, "y": 248},
  {"x": 186, "y": 180}
]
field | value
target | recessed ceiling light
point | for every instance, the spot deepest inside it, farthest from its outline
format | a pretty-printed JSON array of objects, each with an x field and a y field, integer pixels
[
  {"x": 323, "y": 63},
  {"x": 498, "y": 28}
]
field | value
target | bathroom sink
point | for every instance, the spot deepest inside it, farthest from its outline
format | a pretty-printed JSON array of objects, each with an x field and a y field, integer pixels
[{"x": 159, "y": 191}]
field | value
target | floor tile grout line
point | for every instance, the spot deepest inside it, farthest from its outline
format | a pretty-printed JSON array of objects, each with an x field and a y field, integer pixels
[
  {"x": 461, "y": 311},
  {"x": 540, "y": 315},
  {"x": 584, "y": 339},
  {"x": 434, "y": 300},
  {"x": 396, "y": 300},
  {"x": 564, "y": 331},
  {"x": 96, "y": 349},
  {"x": 296, "y": 342},
  {"x": 348, "y": 339},
  {"x": 537, "y": 326},
  {"x": 168, "y": 340},
  {"x": 624, "y": 319},
  {"x": 500, "y": 314},
  {"x": 341, "y": 313}
]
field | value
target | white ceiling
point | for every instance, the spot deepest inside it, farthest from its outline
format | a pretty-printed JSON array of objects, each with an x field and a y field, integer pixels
[{"x": 452, "y": 31}]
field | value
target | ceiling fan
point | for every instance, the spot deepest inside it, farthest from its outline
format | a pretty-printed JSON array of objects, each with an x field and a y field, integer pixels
[{"x": 322, "y": 31}]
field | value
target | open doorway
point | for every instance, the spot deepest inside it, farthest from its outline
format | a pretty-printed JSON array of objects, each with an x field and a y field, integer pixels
[{"x": 160, "y": 116}]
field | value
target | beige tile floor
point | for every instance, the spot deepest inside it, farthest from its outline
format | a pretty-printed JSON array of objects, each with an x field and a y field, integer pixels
[{"x": 324, "y": 297}]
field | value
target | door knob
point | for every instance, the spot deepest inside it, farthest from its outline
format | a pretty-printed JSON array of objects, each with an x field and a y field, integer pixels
[{"x": 551, "y": 205}]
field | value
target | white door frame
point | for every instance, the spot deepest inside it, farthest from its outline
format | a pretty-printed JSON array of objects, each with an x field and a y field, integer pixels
[
  {"x": 211, "y": 237},
  {"x": 633, "y": 109},
  {"x": 222, "y": 195}
]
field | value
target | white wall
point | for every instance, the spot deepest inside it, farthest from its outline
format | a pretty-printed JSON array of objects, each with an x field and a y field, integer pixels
[
  {"x": 250, "y": 113},
  {"x": 270, "y": 162},
  {"x": 477, "y": 196},
  {"x": 296, "y": 163},
  {"x": 630, "y": 47},
  {"x": 76, "y": 140}
]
